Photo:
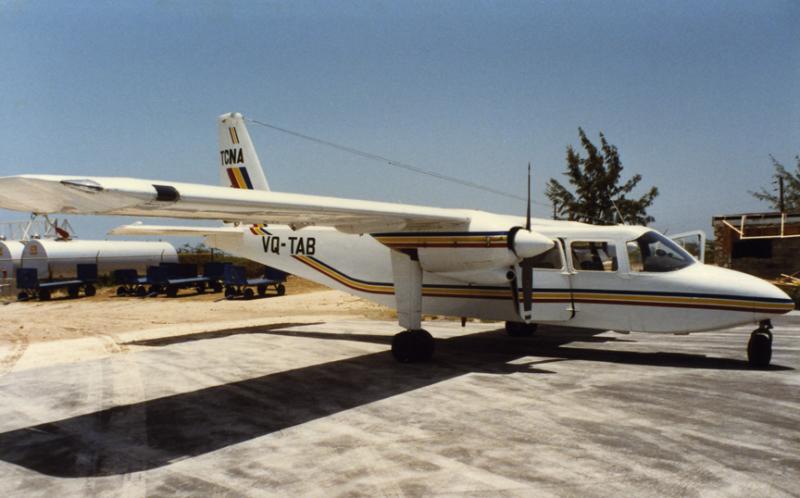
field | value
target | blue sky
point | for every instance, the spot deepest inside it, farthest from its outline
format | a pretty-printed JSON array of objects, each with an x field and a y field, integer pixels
[{"x": 696, "y": 95}]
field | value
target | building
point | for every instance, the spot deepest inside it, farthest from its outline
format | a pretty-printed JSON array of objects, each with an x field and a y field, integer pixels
[{"x": 763, "y": 244}]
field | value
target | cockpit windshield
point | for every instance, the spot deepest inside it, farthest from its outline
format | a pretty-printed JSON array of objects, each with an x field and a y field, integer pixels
[{"x": 652, "y": 252}]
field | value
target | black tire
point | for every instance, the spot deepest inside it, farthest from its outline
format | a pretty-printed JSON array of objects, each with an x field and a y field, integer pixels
[
  {"x": 249, "y": 294},
  {"x": 413, "y": 346},
  {"x": 759, "y": 350},
  {"x": 155, "y": 289},
  {"x": 281, "y": 289},
  {"x": 172, "y": 291},
  {"x": 44, "y": 295},
  {"x": 141, "y": 291},
  {"x": 519, "y": 329},
  {"x": 201, "y": 288},
  {"x": 122, "y": 291},
  {"x": 230, "y": 293},
  {"x": 23, "y": 296},
  {"x": 216, "y": 286},
  {"x": 262, "y": 290},
  {"x": 73, "y": 292},
  {"x": 89, "y": 290}
]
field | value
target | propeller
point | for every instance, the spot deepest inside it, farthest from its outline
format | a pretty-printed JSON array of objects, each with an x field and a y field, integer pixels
[
  {"x": 526, "y": 266},
  {"x": 526, "y": 245}
]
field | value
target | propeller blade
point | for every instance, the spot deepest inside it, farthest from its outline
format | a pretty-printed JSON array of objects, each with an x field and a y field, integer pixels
[
  {"x": 526, "y": 266},
  {"x": 528, "y": 217}
]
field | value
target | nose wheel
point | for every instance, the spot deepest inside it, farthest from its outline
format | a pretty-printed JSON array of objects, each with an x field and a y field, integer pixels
[{"x": 759, "y": 348}]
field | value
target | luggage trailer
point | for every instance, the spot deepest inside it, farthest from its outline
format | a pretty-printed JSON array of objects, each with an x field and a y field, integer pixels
[
  {"x": 237, "y": 283},
  {"x": 30, "y": 287},
  {"x": 169, "y": 278}
]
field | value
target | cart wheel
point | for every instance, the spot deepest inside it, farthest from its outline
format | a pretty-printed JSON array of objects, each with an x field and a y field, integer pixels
[
  {"x": 230, "y": 293},
  {"x": 201, "y": 288},
  {"x": 23, "y": 296},
  {"x": 262, "y": 289},
  {"x": 44, "y": 295},
  {"x": 89, "y": 290},
  {"x": 216, "y": 286},
  {"x": 172, "y": 291},
  {"x": 141, "y": 291},
  {"x": 249, "y": 294},
  {"x": 281, "y": 289},
  {"x": 73, "y": 291},
  {"x": 121, "y": 291}
]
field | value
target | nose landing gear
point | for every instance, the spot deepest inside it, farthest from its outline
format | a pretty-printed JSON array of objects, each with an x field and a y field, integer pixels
[{"x": 759, "y": 348}]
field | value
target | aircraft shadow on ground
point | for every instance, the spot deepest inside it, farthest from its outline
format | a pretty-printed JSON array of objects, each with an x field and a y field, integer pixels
[{"x": 154, "y": 433}]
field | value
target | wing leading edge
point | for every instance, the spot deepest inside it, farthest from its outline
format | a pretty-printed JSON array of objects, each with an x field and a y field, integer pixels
[{"x": 44, "y": 194}]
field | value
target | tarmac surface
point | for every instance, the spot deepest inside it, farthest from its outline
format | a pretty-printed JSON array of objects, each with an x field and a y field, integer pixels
[{"x": 321, "y": 409}]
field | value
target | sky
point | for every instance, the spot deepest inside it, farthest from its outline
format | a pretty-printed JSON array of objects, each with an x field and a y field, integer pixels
[{"x": 696, "y": 95}]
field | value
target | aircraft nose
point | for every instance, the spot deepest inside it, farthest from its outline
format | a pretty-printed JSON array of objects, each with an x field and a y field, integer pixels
[{"x": 766, "y": 299}]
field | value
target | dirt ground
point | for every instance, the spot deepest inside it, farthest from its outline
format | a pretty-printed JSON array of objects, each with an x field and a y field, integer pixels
[{"x": 64, "y": 318}]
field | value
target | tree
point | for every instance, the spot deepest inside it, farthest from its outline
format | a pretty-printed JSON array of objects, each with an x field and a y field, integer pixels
[
  {"x": 791, "y": 187},
  {"x": 596, "y": 179}
]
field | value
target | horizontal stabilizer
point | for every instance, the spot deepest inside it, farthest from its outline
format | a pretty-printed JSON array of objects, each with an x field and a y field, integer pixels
[{"x": 139, "y": 229}]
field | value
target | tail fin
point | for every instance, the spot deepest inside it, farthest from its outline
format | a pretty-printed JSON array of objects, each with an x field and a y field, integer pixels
[{"x": 239, "y": 164}]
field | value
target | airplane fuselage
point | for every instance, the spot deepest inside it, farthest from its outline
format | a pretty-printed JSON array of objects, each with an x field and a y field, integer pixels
[{"x": 696, "y": 298}]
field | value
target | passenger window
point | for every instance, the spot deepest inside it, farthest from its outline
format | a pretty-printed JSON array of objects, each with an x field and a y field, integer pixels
[
  {"x": 635, "y": 256},
  {"x": 594, "y": 256},
  {"x": 549, "y": 259}
]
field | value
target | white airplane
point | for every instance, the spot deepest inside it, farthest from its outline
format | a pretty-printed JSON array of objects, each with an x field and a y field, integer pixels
[{"x": 426, "y": 260}]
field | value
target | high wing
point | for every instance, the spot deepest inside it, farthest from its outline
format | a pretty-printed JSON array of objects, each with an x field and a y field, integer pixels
[
  {"x": 140, "y": 229},
  {"x": 44, "y": 194}
]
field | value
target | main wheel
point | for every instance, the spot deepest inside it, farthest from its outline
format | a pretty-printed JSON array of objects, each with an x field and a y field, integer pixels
[
  {"x": 201, "y": 287},
  {"x": 141, "y": 291},
  {"x": 411, "y": 346},
  {"x": 23, "y": 296},
  {"x": 89, "y": 290},
  {"x": 230, "y": 292},
  {"x": 44, "y": 295},
  {"x": 519, "y": 329},
  {"x": 759, "y": 349},
  {"x": 121, "y": 291},
  {"x": 281, "y": 289},
  {"x": 172, "y": 291},
  {"x": 73, "y": 292},
  {"x": 249, "y": 294},
  {"x": 216, "y": 286}
]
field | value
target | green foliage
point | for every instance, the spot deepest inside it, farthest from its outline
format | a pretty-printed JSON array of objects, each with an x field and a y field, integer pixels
[
  {"x": 791, "y": 187},
  {"x": 596, "y": 179}
]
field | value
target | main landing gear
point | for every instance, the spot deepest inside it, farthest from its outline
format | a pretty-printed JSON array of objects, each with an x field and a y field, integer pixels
[
  {"x": 520, "y": 329},
  {"x": 413, "y": 346},
  {"x": 759, "y": 348}
]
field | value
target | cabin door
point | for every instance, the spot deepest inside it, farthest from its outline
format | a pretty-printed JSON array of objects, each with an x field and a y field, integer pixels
[{"x": 552, "y": 292}]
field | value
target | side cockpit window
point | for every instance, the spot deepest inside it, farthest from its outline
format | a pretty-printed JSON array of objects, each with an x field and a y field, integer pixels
[
  {"x": 652, "y": 252},
  {"x": 594, "y": 256}
]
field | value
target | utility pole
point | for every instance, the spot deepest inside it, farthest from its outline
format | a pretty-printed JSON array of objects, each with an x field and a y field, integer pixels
[
  {"x": 780, "y": 194},
  {"x": 554, "y": 210}
]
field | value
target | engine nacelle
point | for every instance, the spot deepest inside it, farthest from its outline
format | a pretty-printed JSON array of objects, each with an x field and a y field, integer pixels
[{"x": 482, "y": 251}]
